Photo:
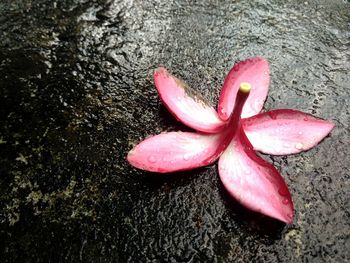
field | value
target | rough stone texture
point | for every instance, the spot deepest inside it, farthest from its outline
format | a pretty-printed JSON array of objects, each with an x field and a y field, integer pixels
[{"x": 76, "y": 93}]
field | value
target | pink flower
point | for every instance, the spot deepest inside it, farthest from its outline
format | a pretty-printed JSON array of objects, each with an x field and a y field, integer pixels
[{"x": 232, "y": 135}]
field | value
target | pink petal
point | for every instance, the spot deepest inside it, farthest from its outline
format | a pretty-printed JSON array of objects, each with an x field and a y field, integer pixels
[
  {"x": 255, "y": 183},
  {"x": 185, "y": 105},
  {"x": 281, "y": 132},
  {"x": 254, "y": 71},
  {"x": 176, "y": 151}
]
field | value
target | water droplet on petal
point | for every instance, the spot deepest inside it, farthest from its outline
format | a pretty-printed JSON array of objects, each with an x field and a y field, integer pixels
[
  {"x": 179, "y": 98},
  {"x": 248, "y": 122},
  {"x": 222, "y": 167},
  {"x": 300, "y": 133},
  {"x": 283, "y": 191},
  {"x": 138, "y": 148},
  {"x": 299, "y": 146},
  {"x": 247, "y": 171},
  {"x": 260, "y": 103},
  {"x": 285, "y": 201},
  {"x": 306, "y": 119},
  {"x": 186, "y": 157},
  {"x": 164, "y": 159},
  {"x": 272, "y": 115},
  {"x": 222, "y": 110},
  {"x": 152, "y": 159}
]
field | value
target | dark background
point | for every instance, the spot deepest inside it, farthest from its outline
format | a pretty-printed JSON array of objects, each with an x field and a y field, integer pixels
[{"x": 76, "y": 93}]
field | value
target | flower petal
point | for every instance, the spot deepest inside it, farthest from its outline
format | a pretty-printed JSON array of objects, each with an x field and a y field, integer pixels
[
  {"x": 185, "y": 105},
  {"x": 255, "y": 183},
  {"x": 176, "y": 151},
  {"x": 254, "y": 71},
  {"x": 285, "y": 131}
]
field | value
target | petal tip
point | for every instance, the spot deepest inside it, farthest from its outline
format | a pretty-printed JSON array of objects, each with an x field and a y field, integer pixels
[
  {"x": 289, "y": 219},
  {"x": 284, "y": 213},
  {"x": 254, "y": 70},
  {"x": 259, "y": 59},
  {"x": 160, "y": 71},
  {"x": 331, "y": 125},
  {"x": 289, "y": 216},
  {"x": 130, "y": 157}
]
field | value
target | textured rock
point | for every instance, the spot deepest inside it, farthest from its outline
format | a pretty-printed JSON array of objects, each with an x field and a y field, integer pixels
[{"x": 76, "y": 92}]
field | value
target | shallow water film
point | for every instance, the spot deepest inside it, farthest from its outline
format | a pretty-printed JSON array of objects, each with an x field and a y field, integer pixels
[{"x": 76, "y": 93}]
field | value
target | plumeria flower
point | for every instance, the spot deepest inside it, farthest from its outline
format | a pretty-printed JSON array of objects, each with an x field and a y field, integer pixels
[{"x": 232, "y": 135}]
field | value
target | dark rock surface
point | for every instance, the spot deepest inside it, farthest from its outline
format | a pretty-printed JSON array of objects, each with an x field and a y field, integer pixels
[{"x": 76, "y": 92}]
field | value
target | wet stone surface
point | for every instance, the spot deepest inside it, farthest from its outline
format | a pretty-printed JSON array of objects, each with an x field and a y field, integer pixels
[{"x": 76, "y": 93}]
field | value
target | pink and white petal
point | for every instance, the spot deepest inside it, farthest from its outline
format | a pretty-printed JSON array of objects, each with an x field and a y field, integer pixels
[
  {"x": 176, "y": 151},
  {"x": 255, "y": 183},
  {"x": 185, "y": 105},
  {"x": 285, "y": 131},
  {"x": 254, "y": 71}
]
